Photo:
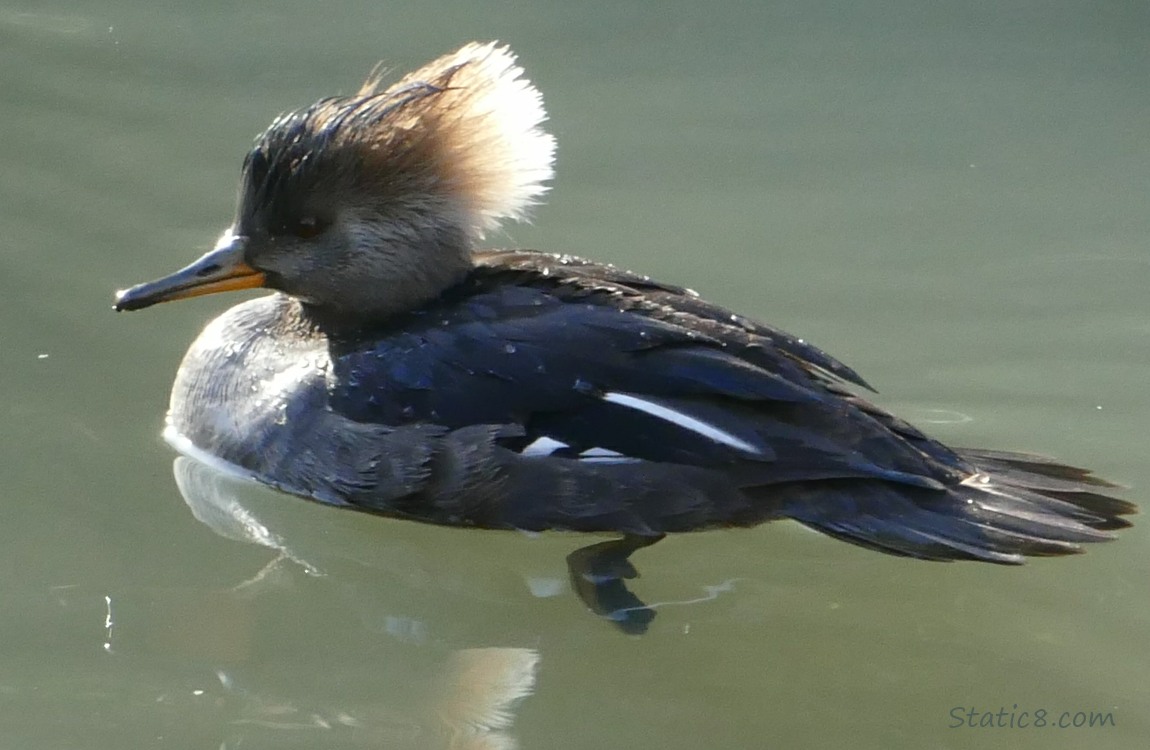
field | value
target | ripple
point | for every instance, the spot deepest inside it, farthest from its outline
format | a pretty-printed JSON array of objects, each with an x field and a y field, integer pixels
[
  {"x": 936, "y": 416},
  {"x": 49, "y": 22}
]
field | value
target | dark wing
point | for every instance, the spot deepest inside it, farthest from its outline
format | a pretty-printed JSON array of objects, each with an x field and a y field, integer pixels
[
  {"x": 662, "y": 300},
  {"x": 598, "y": 364},
  {"x": 568, "y": 394}
]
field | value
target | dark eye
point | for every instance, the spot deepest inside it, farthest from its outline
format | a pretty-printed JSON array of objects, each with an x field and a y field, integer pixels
[{"x": 307, "y": 227}]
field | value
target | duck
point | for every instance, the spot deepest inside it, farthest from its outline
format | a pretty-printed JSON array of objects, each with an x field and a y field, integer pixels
[{"x": 400, "y": 368}]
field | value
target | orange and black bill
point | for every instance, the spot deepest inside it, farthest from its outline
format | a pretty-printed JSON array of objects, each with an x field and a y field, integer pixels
[{"x": 221, "y": 270}]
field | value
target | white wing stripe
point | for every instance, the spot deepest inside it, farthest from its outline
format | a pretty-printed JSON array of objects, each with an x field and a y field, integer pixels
[
  {"x": 605, "y": 456},
  {"x": 678, "y": 418},
  {"x": 543, "y": 446},
  {"x": 600, "y": 453}
]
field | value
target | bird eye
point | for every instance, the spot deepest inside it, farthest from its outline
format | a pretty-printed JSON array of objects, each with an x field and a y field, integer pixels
[{"x": 307, "y": 227}]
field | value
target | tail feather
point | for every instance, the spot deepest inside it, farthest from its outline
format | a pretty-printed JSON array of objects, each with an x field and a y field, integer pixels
[
  {"x": 1106, "y": 511},
  {"x": 1032, "y": 467},
  {"x": 1013, "y": 506}
]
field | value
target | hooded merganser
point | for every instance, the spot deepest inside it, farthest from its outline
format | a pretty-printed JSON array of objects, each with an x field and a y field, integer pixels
[{"x": 400, "y": 370}]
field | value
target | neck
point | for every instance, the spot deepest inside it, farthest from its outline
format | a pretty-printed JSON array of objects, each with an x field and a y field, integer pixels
[
  {"x": 346, "y": 318},
  {"x": 387, "y": 283}
]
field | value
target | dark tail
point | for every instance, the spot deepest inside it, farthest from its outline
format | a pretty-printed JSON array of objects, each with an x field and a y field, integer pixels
[{"x": 1014, "y": 506}]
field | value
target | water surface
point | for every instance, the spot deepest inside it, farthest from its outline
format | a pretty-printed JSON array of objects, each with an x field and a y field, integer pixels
[{"x": 952, "y": 200}]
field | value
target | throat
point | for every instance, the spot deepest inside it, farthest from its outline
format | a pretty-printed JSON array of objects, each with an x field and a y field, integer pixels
[
  {"x": 369, "y": 303},
  {"x": 341, "y": 323}
]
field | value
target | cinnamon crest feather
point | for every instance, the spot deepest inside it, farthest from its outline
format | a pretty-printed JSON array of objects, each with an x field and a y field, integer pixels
[{"x": 461, "y": 134}]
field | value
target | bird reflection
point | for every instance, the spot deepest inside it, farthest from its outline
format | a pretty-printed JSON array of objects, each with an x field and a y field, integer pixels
[
  {"x": 470, "y": 705},
  {"x": 464, "y": 700},
  {"x": 481, "y": 689}
]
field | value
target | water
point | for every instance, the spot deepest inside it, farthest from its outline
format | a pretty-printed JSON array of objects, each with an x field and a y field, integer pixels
[{"x": 951, "y": 199}]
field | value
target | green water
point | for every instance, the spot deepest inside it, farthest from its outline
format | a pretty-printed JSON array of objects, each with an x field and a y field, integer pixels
[{"x": 951, "y": 199}]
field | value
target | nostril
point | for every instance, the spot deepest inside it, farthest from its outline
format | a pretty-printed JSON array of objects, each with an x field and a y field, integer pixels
[{"x": 208, "y": 270}]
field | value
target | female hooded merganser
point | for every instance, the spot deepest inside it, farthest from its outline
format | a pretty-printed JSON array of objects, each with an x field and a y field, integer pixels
[{"x": 399, "y": 370}]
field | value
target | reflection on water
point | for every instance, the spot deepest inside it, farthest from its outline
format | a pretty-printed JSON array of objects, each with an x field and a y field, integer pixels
[
  {"x": 427, "y": 693},
  {"x": 216, "y": 504},
  {"x": 480, "y": 689},
  {"x": 393, "y": 574},
  {"x": 410, "y": 557},
  {"x": 469, "y": 705}
]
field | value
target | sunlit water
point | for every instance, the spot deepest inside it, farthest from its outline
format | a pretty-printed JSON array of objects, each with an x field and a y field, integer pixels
[{"x": 952, "y": 201}]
